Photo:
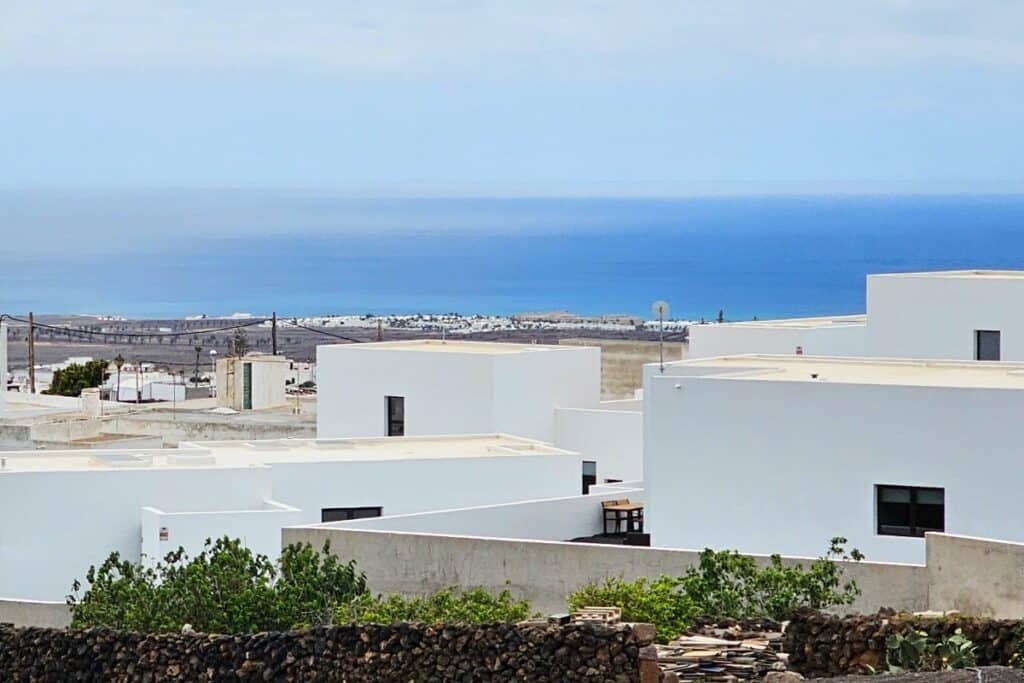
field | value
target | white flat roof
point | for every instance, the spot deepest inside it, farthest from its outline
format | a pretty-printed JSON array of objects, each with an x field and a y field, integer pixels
[
  {"x": 965, "y": 374},
  {"x": 226, "y": 454},
  {"x": 971, "y": 273},
  {"x": 457, "y": 346},
  {"x": 800, "y": 323}
]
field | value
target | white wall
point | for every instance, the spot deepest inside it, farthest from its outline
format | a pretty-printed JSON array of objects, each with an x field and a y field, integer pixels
[
  {"x": 405, "y": 486},
  {"x": 259, "y": 530},
  {"x": 450, "y": 392},
  {"x": 781, "y": 466},
  {"x": 936, "y": 317},
  {"x": 552, "y": 519},
  {"x": 53, "y": 525},
  {"x": 612, "y": 438},
  {"x": 712, "y": 340}
]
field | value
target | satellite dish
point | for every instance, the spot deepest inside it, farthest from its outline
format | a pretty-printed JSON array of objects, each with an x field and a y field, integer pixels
[{"x": 660, "y": 308}]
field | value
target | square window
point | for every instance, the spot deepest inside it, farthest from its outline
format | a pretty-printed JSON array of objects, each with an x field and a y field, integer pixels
[{"x": 909, "y": 510}]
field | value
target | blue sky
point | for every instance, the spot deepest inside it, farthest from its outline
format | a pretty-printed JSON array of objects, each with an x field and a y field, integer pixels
[{"x": 653, "y": 97}]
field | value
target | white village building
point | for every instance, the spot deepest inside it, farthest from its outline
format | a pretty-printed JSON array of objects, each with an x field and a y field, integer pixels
[
  {"x": 546, "y": 392},
  {"x": 781, "y": 453},
  {"x": 955, "y": 315},
  {"x": 61, "y": 511}
]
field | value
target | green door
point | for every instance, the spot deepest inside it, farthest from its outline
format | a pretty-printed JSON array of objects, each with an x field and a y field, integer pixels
[{"x": 247, "y": 386}]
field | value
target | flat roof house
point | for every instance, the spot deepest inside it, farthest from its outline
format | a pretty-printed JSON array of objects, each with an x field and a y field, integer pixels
[
  {"x": 956, "y": 315},
  {"x": 61, "y": 511},
  {"x": 452, "y": 387},
  {"x": 781, "y": 453}
]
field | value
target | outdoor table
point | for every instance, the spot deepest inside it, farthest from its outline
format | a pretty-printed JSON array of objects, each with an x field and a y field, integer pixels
[{"x": 631, "y": 513}]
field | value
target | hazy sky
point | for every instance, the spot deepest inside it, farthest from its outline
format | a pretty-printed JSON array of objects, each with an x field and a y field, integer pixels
[{"x": 514, "y": 96}]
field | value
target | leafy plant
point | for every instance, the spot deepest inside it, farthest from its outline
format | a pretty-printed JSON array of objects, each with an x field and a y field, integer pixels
[
  {"x": 957, "y": 651},
  {"x": 661, "y": 601},
  {"x": 474, "y": 606},
  {"x": 70, "y": 381},
  {"x": 727, "y": 584},
  {"x": 907, "y": 652},
  {"x": 224, "y": 589}
]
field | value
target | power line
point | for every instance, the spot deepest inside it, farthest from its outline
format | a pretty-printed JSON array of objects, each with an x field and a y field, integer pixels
[
  {"x": 325, "y": 332},
  {"x": 71, "y": 331}
]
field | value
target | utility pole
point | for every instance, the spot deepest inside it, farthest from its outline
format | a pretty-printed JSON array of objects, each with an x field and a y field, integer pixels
[
  {"x": 380, "y": 330},
  {"x": 273, "y": 333},
  {"x": 195, "y": 377},
  {"x": 31, "y": 353}
]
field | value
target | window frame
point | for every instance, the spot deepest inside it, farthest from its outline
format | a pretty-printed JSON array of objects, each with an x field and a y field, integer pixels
[
  {"x": 389, "y": 421},
  {"x": 324, "y": 511},
  {"x": 999, "y": 345},
  {"x": 588, "y": 480},
  {"x": 913, "y": 530}
]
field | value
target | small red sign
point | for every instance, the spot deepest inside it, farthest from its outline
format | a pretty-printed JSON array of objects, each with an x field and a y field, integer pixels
[{"x": 164, "y": 534}]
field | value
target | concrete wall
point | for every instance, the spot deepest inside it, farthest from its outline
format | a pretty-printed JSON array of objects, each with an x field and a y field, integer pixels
[
  {"x": 803, "y": 459},
  {"x": 921, "y": 316},
  {"x": 450, "y": 392},
  {"x": 53, "y": 525},
  {"x": 259, "y": 530},
  {"x": 842, "y": 339},
  {"x": 35, "y": 613},
  {"x": 174, "y": 429},
  {"x": 552, "y": 519},
  {"x": 976, "y": 576},
  {"x": 545, "y": 572},
  {"x": 612, "y": 438},
  {"x": 622, "y": 362}
]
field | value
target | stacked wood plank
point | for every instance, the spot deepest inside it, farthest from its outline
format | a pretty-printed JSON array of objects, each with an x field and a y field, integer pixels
[
  {"x": 708, "y": 658},
  {"x": 601, "y": 615}
]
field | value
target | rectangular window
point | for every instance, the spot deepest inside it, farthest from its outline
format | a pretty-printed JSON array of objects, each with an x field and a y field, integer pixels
[
  {"x": 246, "y": 386},
  {"x": 589, "y": 475},
  {"x": 345, "y": 514},
  {"x": 396, "y": 416},
  {"x": 909, "y": 510},
  {"x": 986, "y": 345}
]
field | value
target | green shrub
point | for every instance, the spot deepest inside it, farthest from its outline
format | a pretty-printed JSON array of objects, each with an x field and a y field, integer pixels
[
  {"x": 726, "y": 584},
  {"x": 224, "y": 589},
  {"x": 70, "y": 380},
  {"x": 660, "y": 601},
  {"x": 956, "y": 652},
  {"x": 474, "y": 606}
]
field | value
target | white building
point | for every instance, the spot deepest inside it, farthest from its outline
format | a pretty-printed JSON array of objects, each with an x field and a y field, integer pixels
[
  {"x": 778, "y": 454},
  {"x": 62, "y": 511},
  {"x": 452, "y": 387},
  {"x": 546, "y": 392},
  {"x": 253, "y": 382},
  {"x": 962, "y": 315},
  {"x": 144, "y": 387}
]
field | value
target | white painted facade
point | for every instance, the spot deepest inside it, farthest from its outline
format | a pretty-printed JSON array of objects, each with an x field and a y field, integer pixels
[
  {"x": 264, "y": 388},
  {"x": 61, "y": 511},
  {"x": 611, "y": 436},
  {"x": 453, "y": 387},
  {"x": 835, "y": 336},
  {"x": 909, "y": 315},
  {"x": 753, "y": 453},
  {"x": 936, "y": 315}
]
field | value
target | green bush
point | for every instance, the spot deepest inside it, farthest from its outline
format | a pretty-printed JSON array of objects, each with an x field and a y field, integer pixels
[
  {"x": 474, "y": 606},
  {"x": 224, "y": 589},
  {"x": 660, "y": 601},
  {"x": 726, "y": 584},
  {"x": 71, "y": 380}
]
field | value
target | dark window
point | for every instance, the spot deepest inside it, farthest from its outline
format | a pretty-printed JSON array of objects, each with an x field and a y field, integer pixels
[
  {"x": 986, "y": 345},
  {"x": 246, "y": 386},
  {"x": 396, "y": 416},
  {"x": 910, "y": 510},
  {"x": 589, "y": 475},
  {"x": 345, "y": 514}
]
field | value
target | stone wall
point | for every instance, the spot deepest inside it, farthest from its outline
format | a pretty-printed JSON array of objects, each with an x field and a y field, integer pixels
[
  {"x": 825, "y": 645},
  {"x": 403, "y": 652}
]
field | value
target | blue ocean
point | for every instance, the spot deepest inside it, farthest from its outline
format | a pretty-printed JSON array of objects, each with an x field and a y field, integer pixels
[{"x": 177, "y": 253}]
